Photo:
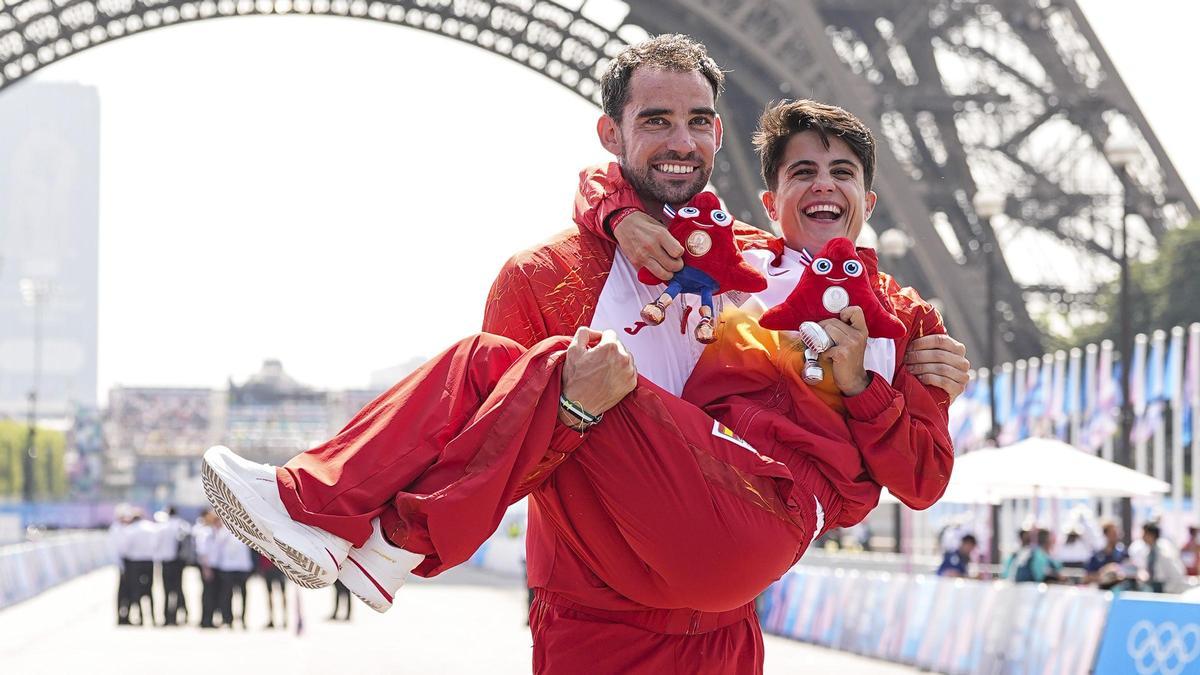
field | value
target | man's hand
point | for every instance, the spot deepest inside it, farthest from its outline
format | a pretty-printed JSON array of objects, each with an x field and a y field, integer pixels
[
  {"x": 849, "y": 333},
  {"x": 939, "y": 361},
  {"x": 598, "y": 372},
  {"x": 647, "y": 243}
]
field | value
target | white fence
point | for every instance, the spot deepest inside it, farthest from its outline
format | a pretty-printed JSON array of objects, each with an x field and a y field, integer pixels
[
  {"x": 28, "y": 569},
  {"x": 940, "y": 624}
]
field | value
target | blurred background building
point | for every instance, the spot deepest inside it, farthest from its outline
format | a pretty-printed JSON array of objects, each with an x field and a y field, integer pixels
[
  {"x": 49, "y": 247},
  {"x": 155, "y": 435}
]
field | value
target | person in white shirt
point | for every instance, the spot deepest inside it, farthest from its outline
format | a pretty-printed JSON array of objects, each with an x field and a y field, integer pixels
[
  {"x": 1074, "y": 552},
  {"x": 174, "y": 535},
  {"x": 204, "y": 534},
  {"x": 1164, "y": 572},
  {"x": 118, "y": 534},
  {"x": 233, "y": 561},
  {"x": 140, "y": 547}
]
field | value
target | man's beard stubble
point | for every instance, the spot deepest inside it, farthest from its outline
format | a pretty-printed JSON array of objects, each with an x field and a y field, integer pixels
[{"x": 643, "y": 180}]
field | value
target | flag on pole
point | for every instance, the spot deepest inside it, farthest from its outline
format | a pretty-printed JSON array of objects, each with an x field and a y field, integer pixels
[
  {"x": 1191, "y": 389},
  {"x": 1090, "y": 380},
  {"x": 1074, "y": 397},
  {"x": 1191, "y": 379},
  {"x": 1149, "y": 407},
  {"x": 1034, "y": 402},
  {"x": 1173, "y": 392},
  {"x": 1137, "y": 373},
  {"x": 1102, "y": 421},
  {"x": 1057, "y": 414},
  {"x": 1013, "y": 429},
  {"x": 1005, "y": 400},
  {"x": 962, "y": 416}
]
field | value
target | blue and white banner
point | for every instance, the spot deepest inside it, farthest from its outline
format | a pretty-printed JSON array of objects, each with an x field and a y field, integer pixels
[{"x": 1150, "y": 635}]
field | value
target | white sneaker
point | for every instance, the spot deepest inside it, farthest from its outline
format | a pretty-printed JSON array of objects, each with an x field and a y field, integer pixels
[
  {"x": 377, "y": 570},
  {"x": 246, "y": 497}
]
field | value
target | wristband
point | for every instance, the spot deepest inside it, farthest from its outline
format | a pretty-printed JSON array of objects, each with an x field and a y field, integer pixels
[
  {"x": 614, "y": 219},
  {"x": 578, "y": 412}
]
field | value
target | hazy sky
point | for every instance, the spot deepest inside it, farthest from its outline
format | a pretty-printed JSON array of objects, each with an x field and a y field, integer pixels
[{"x": 340, "y": 193}]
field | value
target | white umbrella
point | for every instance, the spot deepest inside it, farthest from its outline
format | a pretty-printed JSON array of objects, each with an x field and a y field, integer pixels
[
  {"x": 1047, "y": 467},
  {"x": 1041, "y": 467}
]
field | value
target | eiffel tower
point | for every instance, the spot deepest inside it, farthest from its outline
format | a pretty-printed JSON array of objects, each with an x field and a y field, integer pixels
[{"x": 1015, "y": 98}]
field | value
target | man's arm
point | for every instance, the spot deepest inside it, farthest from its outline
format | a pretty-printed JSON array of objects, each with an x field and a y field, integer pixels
[
  {"x": 607, "y": 206},
  {"x": 511, "y": 309},
  {"x": 597, "y": 371},
  {"x": 901, "y": 428},
  {"x": 604, "y": 196},
  {"x": 939, "y": 361}
]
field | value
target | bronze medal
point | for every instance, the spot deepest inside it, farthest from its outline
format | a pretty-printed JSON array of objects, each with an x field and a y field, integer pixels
[{"x": 698, "y": 243}]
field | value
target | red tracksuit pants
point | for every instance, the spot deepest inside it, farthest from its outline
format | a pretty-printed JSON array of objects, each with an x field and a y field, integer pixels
[{"x": 660, "y": 502}]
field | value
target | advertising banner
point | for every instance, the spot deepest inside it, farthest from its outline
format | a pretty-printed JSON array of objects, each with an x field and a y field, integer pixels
[{"x": 1150, "y": 635}]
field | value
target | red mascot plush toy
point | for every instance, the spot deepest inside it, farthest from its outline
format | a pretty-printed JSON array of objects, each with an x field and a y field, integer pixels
[
  {"x": 711, "y": 263},
  {"x": 836, "y": 279}
]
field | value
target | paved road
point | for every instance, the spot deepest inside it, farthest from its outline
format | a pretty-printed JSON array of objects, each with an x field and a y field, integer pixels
[{"x": 465, "y": 622}]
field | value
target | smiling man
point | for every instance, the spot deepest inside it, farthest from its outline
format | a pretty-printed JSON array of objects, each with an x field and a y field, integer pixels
[
  {"x": 891, "y": 397},
  {"x": 818, "y": 162},
  {"x": 837, "y": 443},
  {"x": 653, "y": 526}
]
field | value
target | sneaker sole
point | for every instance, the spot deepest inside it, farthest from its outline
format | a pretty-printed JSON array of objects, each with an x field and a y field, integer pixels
[
  {"x": 350, "y": 573},
  {"x": 301, "y": 569}
]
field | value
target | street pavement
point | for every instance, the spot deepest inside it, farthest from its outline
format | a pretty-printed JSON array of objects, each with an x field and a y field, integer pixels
[{"x": 465, "y": 622}]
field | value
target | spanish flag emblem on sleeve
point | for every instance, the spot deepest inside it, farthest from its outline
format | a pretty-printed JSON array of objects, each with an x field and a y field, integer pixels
[{"x": 722, "y": 431}]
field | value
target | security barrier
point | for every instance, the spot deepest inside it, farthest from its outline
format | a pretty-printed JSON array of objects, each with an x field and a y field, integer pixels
[
  {"x": 937, "y": 623},
  {"x": 29, "y": 569},
  {"x": 961, "y": 626}
]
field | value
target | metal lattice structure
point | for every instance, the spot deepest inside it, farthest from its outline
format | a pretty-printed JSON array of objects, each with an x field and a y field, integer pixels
[{"x": 1011, "y": 96}]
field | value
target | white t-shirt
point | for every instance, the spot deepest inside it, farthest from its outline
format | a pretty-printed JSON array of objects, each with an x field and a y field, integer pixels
[{"x": 666, "y": 354}]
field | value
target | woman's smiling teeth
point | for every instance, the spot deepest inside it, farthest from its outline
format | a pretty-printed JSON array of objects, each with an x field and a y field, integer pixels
[
  {"x": 674, "y": 168},
  {"x": 823, "y": 211}
]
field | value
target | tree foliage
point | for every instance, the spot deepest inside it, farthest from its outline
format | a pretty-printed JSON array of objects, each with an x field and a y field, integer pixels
[
  {"x": 1164, "y": 292},
  {"x": 50, "y": 480}
]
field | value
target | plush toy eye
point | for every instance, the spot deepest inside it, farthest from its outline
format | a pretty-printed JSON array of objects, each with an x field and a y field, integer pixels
[
  {"x": 721, "y": 218},
  {"x": 689, "y": 212},
  {"x": 822, "y": 266},
  {"x": 852, "y": 268}
]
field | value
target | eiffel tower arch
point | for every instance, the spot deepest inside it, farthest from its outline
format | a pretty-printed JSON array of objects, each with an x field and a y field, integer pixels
[{"x": 1015, "y": 97}]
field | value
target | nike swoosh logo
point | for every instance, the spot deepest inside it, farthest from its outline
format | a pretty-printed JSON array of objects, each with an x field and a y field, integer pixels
[{"x": 781, "y": 274}]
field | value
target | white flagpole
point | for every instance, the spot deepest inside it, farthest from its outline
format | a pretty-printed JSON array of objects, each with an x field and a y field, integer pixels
[
  {"x": 1058, "y": 391},
  {"x": 1020, "y": 391},
  {"x": 1193, "y": 376},
  {"x": 1074, "y": 386},
  {"x": 984, "y": 377},
  {"x": 1160, "y": 424},
  {"x": 1138, "y": 393},
  {"x": 1104, "y": 386},
  {"x": 1175, "y": 377}
]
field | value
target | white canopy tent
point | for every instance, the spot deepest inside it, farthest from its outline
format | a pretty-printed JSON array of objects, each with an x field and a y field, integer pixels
[{"x": 1041, "y": 467}]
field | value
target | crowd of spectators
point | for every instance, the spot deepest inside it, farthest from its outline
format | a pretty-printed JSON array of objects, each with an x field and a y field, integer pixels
[
  {"x": 158, "y": 420},
  {"x": 1151, "y": 563}
]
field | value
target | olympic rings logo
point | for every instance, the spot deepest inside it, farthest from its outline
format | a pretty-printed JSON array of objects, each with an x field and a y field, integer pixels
[{"x": 1165, "y": 649}]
